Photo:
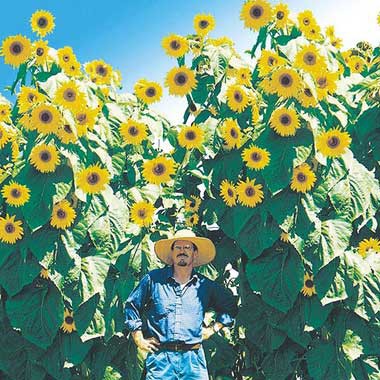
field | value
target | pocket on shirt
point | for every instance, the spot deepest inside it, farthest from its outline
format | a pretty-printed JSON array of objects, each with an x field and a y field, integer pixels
[{"x": 160, "y": 310}]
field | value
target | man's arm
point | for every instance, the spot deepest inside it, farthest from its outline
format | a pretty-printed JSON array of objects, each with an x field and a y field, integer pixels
[{"x": 133, "y": 322}]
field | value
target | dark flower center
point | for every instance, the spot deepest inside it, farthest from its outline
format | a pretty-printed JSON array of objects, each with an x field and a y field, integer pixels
[
  {"x": 357, "y": 66},
  {"x": 309, "y": 283},
  {"x": 238, "y": 96},
  {"x": 333, "y": 142},
  {"x": 69, "y": 320},
  {"x": 175, "y": 45},
  {"x": 61, "y": 214},
  {"x": 256, "y": 11},
  {"x": 159, "y": 169},
  {"x": 40, "y": 51},
  {"x": 280, "y": 15},
  {"x": 67, "y": 128},
  {"x": 42, "y": 22},
  {"x": 69, "y": 95},
  {"x": 10, "y": 228},
  {"x": 141, "y": 213},
  {"x": 256, "y": 156},
  {"x": 203, "y": 24},
  {"x": 301, "y": 177},
  {"x": 272, "y": 61},
  {"x": 286, "y": 80},
  {"x": 81, "y": 117},
  {"x": 45, "y": 156},
  {"x": 93, "y": 178},
  {"x": 133, "y": 131},
  {"x": 31, "y": 98},
  {"x": 66, "y": 58},
  {"x": 310, "y": 58},
  {"x": 150, "y": 91},
  {"x": 16, "y": 48},
  {"x": 180, "y": 79},
  {"x": 101, "y": 70},
  {"x": 306, "y": 21},
  {"x": 230, "y": 192},
  {"x": 322, "y": 82},
  {"x": 285, "y": 119},
  {"x": 16, "y": 193},
  {"x": 46, "y": 116},
  {"x": 307, "y": 92},
  {"x": 233, "y": 133},
  {"x": 193, "y": 107},
  {"x": 250, "y": 191},
  {"x": 190, "y": 135}
]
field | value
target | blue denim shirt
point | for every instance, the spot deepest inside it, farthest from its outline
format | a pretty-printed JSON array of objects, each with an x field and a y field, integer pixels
[{"x": 173, "y": 314}]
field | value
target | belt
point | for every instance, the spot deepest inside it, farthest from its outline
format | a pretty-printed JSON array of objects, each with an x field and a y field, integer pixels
[{"x": 179, "y": 346}]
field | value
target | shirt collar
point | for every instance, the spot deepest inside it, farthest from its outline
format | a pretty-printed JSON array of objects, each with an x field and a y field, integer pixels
[{"x": 170, "y": 270}]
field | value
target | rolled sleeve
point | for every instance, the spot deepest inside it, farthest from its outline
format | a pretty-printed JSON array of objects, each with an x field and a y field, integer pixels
[
  {"x": 224, "y": 303},
  {"x": 135, "y": 303}
]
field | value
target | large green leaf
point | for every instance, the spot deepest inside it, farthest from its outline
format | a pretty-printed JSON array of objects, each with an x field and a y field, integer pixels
[
  {"x": 278, "y": 276},
  {"x": 38, "y": 312}
]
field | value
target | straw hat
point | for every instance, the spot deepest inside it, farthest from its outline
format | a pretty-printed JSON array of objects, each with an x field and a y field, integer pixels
[{"x": 206, "y": 248}]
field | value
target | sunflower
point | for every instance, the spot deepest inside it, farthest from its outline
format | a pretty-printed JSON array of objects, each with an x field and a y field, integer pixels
[
  {"x": 5, "y": 113},
  {"x": 356, "y": 64},
  {"x": 142, "y": 213},
  {"x": 68, "y": 325},
  {"x": 93, "y": 180},
  {"x": 267, "y": 86},
  {"x": 303, "y": 178},
  {"x": 243, "y": 76},
  {"x": 305, "y": 20},
  {"x": 26, "y": 122},
  {"x": 325, "y": 83},
  {"x": 42, "y": 22},
  {"x": 313, "y": 33},
  {"x": 133, "y": 132},
  {"x": 231, "y": 133},
  {"x": 148, "y": 92},
  {"x": 255, "y": 157},
  {"x": 67, "y": 134},
  {"x": 85, "y": 119},
  {"x": 16, "y": 50},
  {"x": 99, "y": 71},
  {"x": 10, "y": 229},
  {"x": 285, "y": 237},
  {"x": 44, "y": 158},
  {"x": 44, "y": 273},
  {"x": 333, "y": 143},
  {"x": 368, "y": 245},
  {"x": 180, "y": 80},
  {"x": 15, "y": 194},
  {"x": 175, "y": 46},
  {"x": 286, "y": 82},
  {"x": 191, "y": 137},
  {"x": 284, "y": 121},
  {"x": 221, "y": 41},
  {"x": 192, "y": 204},
  {"x": 248, "y": 193},
  {"x": 63, "y": 215},
  {"x": 192, "y": 220},
  {"x": 336, "y": 42},
  {"x": 40, "y": 52},
  {"x": 269, "y": 61},
  {"x": 46, "y": 118},
  {"x": 306, "y": 98},
  {"x": 228, "y": 193},
  {"x": 158, "y": 170},
  {"x": 308, "y": 288},
  {"x": 281, "y": 15},
  {"x": 66, "y": 56},
  {"x": 309, "y": 59},
  {"x": 237, "y": 98},
  {"x": 69, "y": 96},
  {"x": 203, "y": 24},
  {"x": 73, "y": 69},
  {"x": 256, "y": 14},
  {"x": 28, "y": 97}
]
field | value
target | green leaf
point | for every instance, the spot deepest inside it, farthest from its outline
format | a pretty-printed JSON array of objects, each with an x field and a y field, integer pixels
[
  {"x": 38, "y": 312},
  {"x": 85, "y": 313},
  {"x": 278, "y": 276}
]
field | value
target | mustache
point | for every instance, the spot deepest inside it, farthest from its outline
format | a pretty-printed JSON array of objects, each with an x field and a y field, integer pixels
[{"x": 182, "y": 254}]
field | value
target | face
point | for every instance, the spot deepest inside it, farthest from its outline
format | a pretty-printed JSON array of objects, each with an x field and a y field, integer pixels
[{"x": 183, "y": 253}]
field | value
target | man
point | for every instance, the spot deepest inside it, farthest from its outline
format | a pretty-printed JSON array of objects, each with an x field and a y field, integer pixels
[{"x": 175, "y": 299}]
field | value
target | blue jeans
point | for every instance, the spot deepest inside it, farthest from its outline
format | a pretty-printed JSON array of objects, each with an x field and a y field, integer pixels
[{"x": 176, "y": 365}]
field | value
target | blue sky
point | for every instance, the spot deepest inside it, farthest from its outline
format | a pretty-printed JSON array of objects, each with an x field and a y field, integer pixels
[{"x": 127, "y": 34}]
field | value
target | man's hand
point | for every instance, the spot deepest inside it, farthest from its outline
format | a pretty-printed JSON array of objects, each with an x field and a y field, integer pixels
[
  {"x": 207, "y": 332},
  {"x": 150, "y": 344}
]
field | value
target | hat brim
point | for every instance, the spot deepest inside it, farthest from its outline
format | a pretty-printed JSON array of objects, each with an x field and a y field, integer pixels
[{"x": 206, "y": 249}]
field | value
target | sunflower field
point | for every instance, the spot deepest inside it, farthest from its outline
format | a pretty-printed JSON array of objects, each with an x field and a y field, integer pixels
[{"x": 277, "y": 161}]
